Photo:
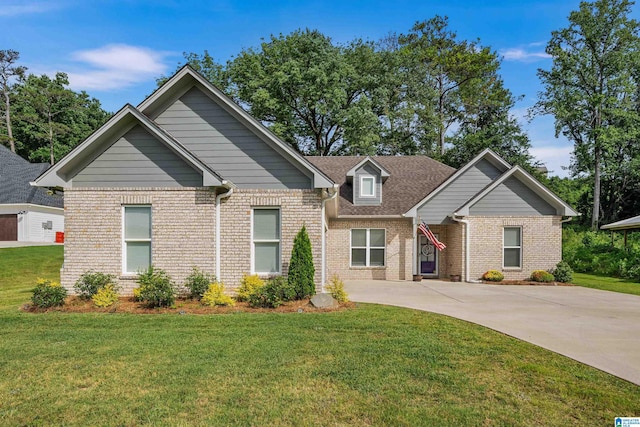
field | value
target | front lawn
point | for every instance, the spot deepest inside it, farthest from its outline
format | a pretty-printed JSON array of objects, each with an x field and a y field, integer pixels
[
  {"x": 372, "y": 365},
  {"x": 605, "y": 283}
]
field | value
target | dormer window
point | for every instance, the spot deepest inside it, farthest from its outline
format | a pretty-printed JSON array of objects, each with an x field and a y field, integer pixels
[
  {"x": 367, "y": 179},
  {"x": 368, "y": 186}
]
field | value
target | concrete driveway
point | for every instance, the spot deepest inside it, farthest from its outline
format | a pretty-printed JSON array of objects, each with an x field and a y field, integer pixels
[{"x": 599, "y": 328}]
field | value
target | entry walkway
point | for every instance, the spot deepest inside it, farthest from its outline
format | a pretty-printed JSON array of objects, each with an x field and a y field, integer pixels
[{"x": 598, "y": 328}]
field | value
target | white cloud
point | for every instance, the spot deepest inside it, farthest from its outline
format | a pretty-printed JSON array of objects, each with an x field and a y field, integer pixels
[
  {"x": 15, "y": 8},
  {"x": 556, "y": 158},
  {"x": 116, "y": 66},
  {"x": 522, "y": 55}
]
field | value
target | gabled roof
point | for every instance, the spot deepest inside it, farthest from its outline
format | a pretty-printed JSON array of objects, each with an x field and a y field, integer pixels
[
  {"x": 524, "y": 177},
  {"x": 411, "y": 178},
  {"x": 15, "y": 175},
  {"x": 384, "y": 174},
  {"x": 625, "y": 224},
  {"x": 60, "y": 174},
  {"x": 187, "y": 77},
  {"x": 486, "y": 154}
]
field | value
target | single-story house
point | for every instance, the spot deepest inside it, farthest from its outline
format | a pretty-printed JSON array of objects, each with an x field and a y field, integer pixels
[
  {"x": 188, "y": 178},
  {"x": 27, "y": 214}
]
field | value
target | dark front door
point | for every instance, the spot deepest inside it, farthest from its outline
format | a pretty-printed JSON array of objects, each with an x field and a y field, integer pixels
[
  {"x": 427, "y": 257},
  {"x": 9, "y": 227}
]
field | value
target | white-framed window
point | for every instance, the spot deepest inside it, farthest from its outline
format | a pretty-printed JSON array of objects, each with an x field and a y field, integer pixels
[
  {"x": 265, "y": 240},
  {"x": 368, "y": 247},
  {"x": 512, "y": 247},
  {"x": 367, "y": 186},
  {"x": 136, "y": 238}
]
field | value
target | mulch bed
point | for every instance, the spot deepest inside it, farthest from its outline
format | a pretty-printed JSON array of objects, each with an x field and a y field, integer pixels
[
  {"x": 182, "y": 306},
  {"x": 526, "y": 283}
]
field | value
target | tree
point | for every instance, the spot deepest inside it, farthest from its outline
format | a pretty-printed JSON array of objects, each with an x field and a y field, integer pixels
[
  {"x": 309, "y": 92},
  {"x": 206, "y": 65},
  {"x": 9, "y": 72},
  {"x": 590, "y": 88},
  {"x": 52, "y": 119},
  {"x": 460, "y": 73},
  {"x": 301, "y": 269}
]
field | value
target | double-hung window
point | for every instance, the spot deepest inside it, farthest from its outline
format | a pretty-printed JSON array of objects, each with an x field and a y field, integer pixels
[
  {"x": 266, "y": 240},
  {"x": 512, "y": 247},
  {"x": 368, "y": 247},
  {"x": 137, "y": 238}
]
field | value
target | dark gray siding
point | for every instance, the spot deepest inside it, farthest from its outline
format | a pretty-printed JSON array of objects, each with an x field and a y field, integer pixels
[
  {"x": 367, "y": 170},
  {"x": 138, "y": 159},
  {"x": 512, "y": 197},
  {"x": 227, "y": 146},
  {"x": 456, "y": 194}
]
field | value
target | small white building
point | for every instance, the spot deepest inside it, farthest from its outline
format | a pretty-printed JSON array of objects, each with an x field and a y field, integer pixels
[{"x": 27, "y": 213}]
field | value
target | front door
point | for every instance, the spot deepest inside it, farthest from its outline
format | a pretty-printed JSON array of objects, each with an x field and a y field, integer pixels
[{"x": 427, "y": 256}]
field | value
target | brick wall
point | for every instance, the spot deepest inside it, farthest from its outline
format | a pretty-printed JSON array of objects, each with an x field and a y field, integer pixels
[
  {"x": 399, "y": 249},
  {"x": 183, "y": 227},
  {"x": 297, "y": 208},
  {"x": 541, "y": 244}
]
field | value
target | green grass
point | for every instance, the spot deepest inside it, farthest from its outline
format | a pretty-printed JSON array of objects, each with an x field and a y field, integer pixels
[
  {"x": 373, "y": 365},
  {"x": 605, "y": 283}
]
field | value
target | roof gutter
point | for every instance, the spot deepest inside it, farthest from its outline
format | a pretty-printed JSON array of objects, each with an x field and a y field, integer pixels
[
  {"x": 467, "y": 243},
  {"x": 331, "y": 193},
  {"x": 219, "y": 197}
]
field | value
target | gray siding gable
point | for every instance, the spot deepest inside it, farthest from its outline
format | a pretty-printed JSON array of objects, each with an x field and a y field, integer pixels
[
  {"x": 227, "y": 146},
  {"x": 367, "y": 170},
  {"x": 512, "y": 197},
  {"x": 138, "y": 159},
  {"x": 438, "y": 209}
]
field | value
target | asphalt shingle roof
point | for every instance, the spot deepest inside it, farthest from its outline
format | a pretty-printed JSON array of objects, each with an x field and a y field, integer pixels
[
  {"x": 411, "y": 178},
  {"x": 15, "y": 175}
]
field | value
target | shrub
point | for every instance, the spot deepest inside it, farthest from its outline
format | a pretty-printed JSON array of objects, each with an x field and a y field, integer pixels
[
  {"x": 336, "y": 289},
  {"x": 198, "y": 283},
  {"x": 248, "y": 285},
  {"x": 542, "y": 276},
  {"x": 48, "y": 294},
  {"x": 106, "y": 296},
  {"x": 562, "y": 272},
  {"x": 493, "y": 276},
  {"x": 301, "y": 269},
  {"x": 156, "y": 288},
  {"x": 91, "y": 282},
  {"x": 215, "y": 296},
  {"x": 275, "y": 292}
]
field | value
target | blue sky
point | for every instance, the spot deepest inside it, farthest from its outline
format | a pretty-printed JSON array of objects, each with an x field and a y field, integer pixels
[{"x": 116, "y": 49}]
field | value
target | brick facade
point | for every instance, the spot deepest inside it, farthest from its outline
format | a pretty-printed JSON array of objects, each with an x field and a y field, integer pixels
[
  {"x": 183, "y": 228},
  {"x": 297, "y": 208},
  {"x": 541, "y": 244},
  {"x": 398, "y": 256}
]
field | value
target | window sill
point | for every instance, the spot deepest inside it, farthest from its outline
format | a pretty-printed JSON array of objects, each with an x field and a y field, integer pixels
[
  {"x": 382, "y": 267},
  {"x": 516, "y": 269}
]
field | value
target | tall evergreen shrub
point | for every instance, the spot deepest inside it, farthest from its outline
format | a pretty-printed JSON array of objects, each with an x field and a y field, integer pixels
[{"x": 301, "y": 269}]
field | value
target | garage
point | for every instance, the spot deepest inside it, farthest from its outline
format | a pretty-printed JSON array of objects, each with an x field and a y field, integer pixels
[{"x": 9, "y": 227}]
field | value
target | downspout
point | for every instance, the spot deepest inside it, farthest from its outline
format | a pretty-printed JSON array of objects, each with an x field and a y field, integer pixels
[
  {"x": 467, "y": 244},
  {"x": 323, "y": 273},
  {"x": 219, "y": 198}
]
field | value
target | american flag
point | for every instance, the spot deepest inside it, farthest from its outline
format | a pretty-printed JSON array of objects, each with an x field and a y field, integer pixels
[{"x": 427, "y": 232}]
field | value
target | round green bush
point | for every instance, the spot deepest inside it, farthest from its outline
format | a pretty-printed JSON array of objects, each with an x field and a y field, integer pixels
[
  {"x": 90, "y": 282},
  {"x": 198, "y": 283},
  {"x": 48, "y": 294},
  {"x": 156, "y": 288},
  {"x": 542, "y": 276},
  {"x": 563, "y": 272},
  {"x": 493, "y": 276}
]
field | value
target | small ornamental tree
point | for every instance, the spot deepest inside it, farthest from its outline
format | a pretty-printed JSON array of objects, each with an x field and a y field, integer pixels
[{"x": 301, "y": 269}]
